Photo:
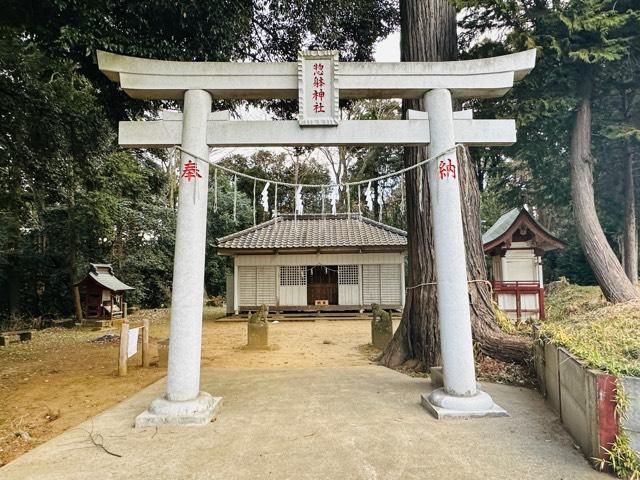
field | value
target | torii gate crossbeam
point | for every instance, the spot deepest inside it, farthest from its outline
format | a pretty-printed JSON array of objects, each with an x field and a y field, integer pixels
[
  {"x": 317, "y": 80},
  {"x": 225, "y": 133}
]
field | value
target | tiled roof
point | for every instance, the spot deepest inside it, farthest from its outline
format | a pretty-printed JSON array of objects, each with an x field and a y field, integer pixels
[
  {"x": 501, "y": 226},
  {"x": 514, "y": 219},
  {"x": 103, "y": 274},
  {"x": 316, "y": 231}
]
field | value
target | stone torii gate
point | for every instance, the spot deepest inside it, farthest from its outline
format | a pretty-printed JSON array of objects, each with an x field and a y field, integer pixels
[{"x": 318, "y": 80}]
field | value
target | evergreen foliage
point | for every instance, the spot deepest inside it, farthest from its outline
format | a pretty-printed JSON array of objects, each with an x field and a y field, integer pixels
[
  {"x": 68, "y": 194},
  {"x": 575, "y": 39}
]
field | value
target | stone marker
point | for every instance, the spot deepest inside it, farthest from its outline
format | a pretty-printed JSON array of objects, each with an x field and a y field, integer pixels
[
  {"x": 381, "y": 327},
  {"x": 258, "y": 329},
  {"x": 163, "y": 353}
]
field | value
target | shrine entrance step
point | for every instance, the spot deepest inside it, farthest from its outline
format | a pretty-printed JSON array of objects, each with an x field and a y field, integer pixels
[
  {"x": 309, "y": 316},
  {"x": 95, "y": 324}
]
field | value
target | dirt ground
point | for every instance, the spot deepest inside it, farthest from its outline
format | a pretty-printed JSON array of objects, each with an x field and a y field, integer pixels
[{"x": 63, "y": 377}]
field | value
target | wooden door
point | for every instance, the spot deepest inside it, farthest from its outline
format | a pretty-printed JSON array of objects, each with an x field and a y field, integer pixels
[{"x": 322, "y": 284}]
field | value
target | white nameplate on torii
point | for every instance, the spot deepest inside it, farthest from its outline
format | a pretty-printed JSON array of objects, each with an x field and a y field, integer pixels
[{"x": 318, "y": 94}]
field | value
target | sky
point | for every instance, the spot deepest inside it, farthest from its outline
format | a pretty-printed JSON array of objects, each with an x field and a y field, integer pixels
[{"x": 388, "y": 50}]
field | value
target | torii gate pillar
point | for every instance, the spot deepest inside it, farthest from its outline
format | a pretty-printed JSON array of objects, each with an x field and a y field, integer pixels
[
  {"x": 184, "y": 403},
  {"x": 460, "y": 396}
]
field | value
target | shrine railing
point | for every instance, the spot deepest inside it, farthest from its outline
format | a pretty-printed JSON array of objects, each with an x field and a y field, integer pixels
[{"x": 518, "y": 288}]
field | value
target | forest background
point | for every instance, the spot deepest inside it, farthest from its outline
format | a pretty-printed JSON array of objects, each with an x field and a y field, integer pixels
[{"x": 69, "y": 195}]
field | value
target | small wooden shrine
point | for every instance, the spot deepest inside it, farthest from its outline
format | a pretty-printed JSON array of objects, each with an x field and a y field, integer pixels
[
  {"x": 103, "y": 294},
  {"x": 516, "y": 244}
]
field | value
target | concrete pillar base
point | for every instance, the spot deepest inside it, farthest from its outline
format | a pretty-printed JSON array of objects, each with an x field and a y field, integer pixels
[
  {"x": 162, "y": 412},
  {"x": 437, "y": 378},
  {"x": 443, "y": 405}
]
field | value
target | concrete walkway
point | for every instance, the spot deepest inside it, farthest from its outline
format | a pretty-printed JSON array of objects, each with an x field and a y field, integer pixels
[{"x": 333, "y": 423}]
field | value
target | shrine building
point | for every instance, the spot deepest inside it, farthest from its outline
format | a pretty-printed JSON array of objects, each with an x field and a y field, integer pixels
[
  {"x": 343, "y": 262},
  {"x": 516, "y": 244},
  {"x": 103, "y": 296}
]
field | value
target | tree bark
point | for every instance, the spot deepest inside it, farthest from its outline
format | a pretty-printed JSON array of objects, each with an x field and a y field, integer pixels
[
  {"x": 605, "y": 265},
  {"x": 428, "y": 33},
  {"x": 491, "y": 339},
  {"x": 13, "y": 288},
  {"x": 73, "y": 256},
  {"x": 12, "y": 266},
  {"x": 77, "y": 304},
  {"x": 630, "y": 236},
  {"x": 630, "y": 231}
]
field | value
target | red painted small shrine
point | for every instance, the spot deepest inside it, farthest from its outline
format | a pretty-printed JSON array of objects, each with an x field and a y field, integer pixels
[{"x": 516, "y": 244}]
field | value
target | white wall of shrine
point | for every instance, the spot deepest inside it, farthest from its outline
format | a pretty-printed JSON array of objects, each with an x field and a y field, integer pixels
[
  {"x": 281, "y": 279},
  {"x": 519, "y": 264}
]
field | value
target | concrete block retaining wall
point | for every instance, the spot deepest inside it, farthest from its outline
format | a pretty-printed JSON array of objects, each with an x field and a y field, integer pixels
[
  {"x": 585, "y": 399},
  {"x": 632, "y": 422}
]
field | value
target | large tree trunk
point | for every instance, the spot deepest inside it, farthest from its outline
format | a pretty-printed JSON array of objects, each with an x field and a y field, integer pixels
[
  {"x": 418, "y": 336},
  {"x": 630, "y": 238},
  {"x": 12, "y": 267},
  {"x": 491, "y": 339},
  {"x": 605, "y": 265},
  {"x": 13, "y": 287},
  {"x": 630, "y": 233},
  {"x": 73, "y": 256},
  {"x": 428, "y": 33}
]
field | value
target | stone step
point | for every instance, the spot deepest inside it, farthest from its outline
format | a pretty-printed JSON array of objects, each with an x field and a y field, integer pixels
[
  {"x": 304, "y": 318},
  {"x": 96, "y": 324}
]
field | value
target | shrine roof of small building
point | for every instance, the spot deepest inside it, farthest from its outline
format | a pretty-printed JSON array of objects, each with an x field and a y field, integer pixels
[
  {"x": 315, "y": 231},
  {"x": 102, "y": 273},
  {"x": 511, "y": 222}
]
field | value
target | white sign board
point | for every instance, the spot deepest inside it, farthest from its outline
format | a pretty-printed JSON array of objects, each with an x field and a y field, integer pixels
[
  {"x": 318, "y": 88},
  {"x": 132, "y": 346}
]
